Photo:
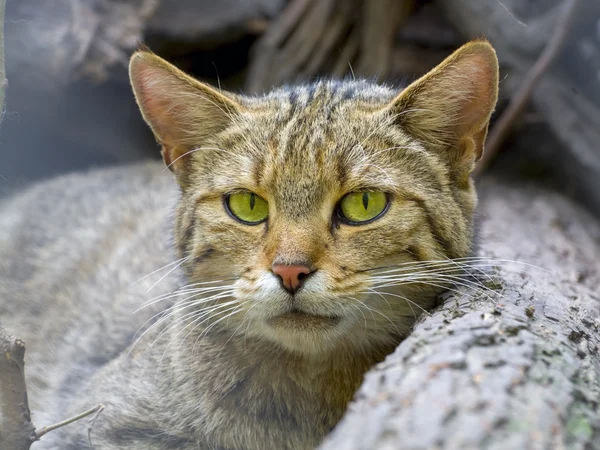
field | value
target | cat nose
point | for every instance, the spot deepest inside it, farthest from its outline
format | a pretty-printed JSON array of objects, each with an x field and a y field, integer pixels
[{"x": 292, "y": 275}]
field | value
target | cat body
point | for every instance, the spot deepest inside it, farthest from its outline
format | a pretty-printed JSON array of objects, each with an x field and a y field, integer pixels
[
  {"x": 292, "y": 245},
  {"x": 74, "y": 304}
]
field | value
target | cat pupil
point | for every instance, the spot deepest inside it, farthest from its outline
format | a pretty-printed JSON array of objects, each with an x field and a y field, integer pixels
[
  {"x": 365, "y": 200},
  {"x": 252, "y": 202}
]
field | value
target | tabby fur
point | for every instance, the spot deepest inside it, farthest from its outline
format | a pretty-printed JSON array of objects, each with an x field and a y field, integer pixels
[{"x": 78, "y": 254}]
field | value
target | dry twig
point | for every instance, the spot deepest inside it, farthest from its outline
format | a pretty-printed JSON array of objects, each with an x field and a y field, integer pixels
[
  {"x": 96, "y": 409},
  {"x": 311, "y": 38},
  {"x": 16, "y": 429}
]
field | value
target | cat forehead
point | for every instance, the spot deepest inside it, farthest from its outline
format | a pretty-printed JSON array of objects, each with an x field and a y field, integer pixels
[
  {"x": 301, "y": 144},
  {"x": 326, "y": 95}
]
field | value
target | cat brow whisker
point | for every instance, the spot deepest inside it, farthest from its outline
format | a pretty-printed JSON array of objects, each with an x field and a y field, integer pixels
[{"x": 197, "y": 149}]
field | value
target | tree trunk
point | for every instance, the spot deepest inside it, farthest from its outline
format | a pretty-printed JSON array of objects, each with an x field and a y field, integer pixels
[{"x": 512, "y": 366}]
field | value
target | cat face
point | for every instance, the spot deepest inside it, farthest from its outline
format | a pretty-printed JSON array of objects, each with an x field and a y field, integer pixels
[{"x": 315, "y": 209}]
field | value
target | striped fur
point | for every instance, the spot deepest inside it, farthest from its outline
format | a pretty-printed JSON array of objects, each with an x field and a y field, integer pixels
[{"x": 254, "y": 381}]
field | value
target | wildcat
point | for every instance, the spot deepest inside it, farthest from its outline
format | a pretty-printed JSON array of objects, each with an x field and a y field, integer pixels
[{"x": 303, "y": 220}]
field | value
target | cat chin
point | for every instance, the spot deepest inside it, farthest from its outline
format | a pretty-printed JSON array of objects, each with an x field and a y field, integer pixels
[{"x": 306, "y": 334}]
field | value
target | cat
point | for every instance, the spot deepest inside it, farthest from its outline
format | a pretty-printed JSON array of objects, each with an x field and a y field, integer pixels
[{"x": 304, "y": 222}]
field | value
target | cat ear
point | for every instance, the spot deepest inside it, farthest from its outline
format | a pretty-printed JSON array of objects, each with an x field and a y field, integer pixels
[
  {"x": 450, "y": 107},
  {"x": 181, "y": 111}
]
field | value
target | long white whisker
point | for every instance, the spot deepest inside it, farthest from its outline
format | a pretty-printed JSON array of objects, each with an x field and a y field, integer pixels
[
  {"x": 372, "y": 310},
  {"x": 157, "y": 270},
  {"x": 169, "y": 313},
  {"x": 360, "y": 310},
  {"x": 167, "y": 274},
  {"x": 182, "y": 292},
  {"x": 230, "y": 312},
  {"x": 433, "y": 276}
]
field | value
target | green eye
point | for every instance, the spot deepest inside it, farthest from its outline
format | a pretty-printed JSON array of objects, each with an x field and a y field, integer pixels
[
  {"x": 247, "y": 207},
  {"x": 362, "y": 207}
]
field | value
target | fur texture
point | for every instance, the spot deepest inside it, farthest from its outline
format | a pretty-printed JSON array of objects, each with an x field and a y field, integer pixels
[{"x": 230, "y": 360}]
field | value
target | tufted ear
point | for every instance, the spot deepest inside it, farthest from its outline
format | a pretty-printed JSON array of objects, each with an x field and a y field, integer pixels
[
  {"x": 449, "y": 108},
  {"x": 182, "y": 112}
]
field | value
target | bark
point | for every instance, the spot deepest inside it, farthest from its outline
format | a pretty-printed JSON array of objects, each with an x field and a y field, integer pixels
[
  {"x": 16, "y": 430},
  {"x": 568, "y": 96},
  {"x": 515, "y": 367}
]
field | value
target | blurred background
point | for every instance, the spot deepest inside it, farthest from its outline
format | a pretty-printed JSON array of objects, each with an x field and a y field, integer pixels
[{"x": 69, "y": 105}]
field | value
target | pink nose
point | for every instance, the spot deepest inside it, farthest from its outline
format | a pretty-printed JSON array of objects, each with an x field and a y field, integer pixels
[{"x": 291, "y": 276}]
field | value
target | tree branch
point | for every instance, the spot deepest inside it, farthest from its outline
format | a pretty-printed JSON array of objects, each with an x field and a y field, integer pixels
[
  {"x": 16, "y": 430},
  {"x": 520, "y": 99}
]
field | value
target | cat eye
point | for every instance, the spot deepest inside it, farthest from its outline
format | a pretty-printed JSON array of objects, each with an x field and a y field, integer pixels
[
  {"x": 358, "y": 208},
  {"x": 247, "y": 207}
]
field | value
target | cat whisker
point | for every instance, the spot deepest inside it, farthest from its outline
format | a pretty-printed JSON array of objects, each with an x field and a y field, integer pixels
[
  {"x": 193, "y": 317},
  {"x": 375, "y": 310},
  {"x": 429, "y": 283},
  {"x": 360, "y": 310},
  {"x": 197, "y": 149},
  {"x": 246, "y": 318},
  {"x": 407, "y": 300},
  {"x": 229, "y": 313},
  {"x": 435, "y": 265},
  {"x": 172, "y": 311},
  {"x": 174, "y": 294},
  {"x": 484, "y": 261},
  {"x": 168, "y": 273},
  {"x": 436, "y": 276},
  {"x": 158, "y": 270},
  {"x": 197, "y": 315}
]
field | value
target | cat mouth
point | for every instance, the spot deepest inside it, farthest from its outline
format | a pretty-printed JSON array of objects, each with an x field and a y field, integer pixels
[{"x": 297, "y": 318}]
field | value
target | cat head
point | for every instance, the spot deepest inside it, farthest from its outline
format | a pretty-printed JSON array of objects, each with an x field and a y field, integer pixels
[{"x": 311, "y": 212}]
